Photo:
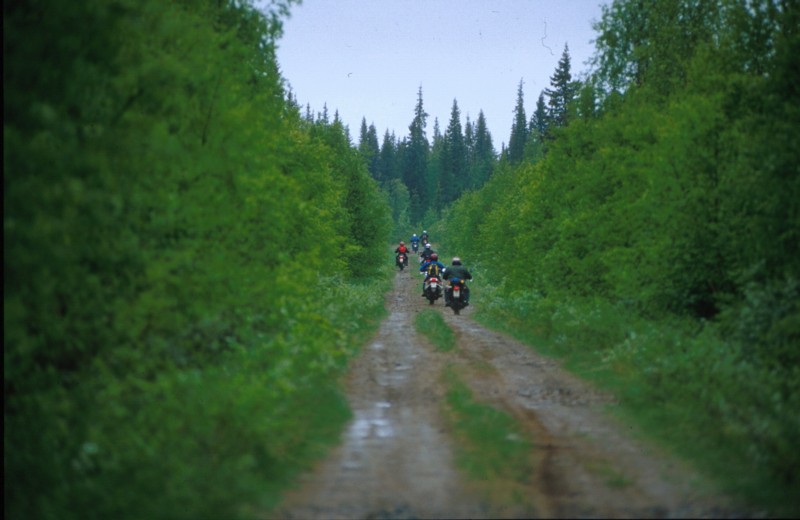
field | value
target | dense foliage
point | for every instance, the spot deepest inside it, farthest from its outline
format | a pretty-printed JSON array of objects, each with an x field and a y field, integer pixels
[
  {"x": 656, "y": 229},
  {"x": 182, "y": 274}
]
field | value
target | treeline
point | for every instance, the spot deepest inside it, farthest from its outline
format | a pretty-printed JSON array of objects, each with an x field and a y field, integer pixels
[
  {"x": 421, "y": 176},
  {"x": 183, "y": 274},
  {"x": 654, "y": 231}
]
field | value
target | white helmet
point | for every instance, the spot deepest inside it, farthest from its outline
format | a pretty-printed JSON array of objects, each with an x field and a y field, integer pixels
[{"x": 427, "y": 246}]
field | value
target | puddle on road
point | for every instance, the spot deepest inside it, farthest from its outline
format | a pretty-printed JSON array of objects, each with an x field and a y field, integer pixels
[
  {"x": 393, "y": 378},
  {"x": 371, "y": 423}
]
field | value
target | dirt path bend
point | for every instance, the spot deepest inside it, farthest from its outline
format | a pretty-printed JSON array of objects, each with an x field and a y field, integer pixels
[{"x": 397, "y": 461}]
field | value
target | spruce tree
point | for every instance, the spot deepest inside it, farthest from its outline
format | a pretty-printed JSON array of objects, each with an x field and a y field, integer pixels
[
  {"x": 539, "y": 120},
  {"x": 485, "y": 155},
  {"x": 469, "y": 143},
  {"x": 454, "y": 172},
  {"x": 562, "y": 91},
  {"x": 415, "y": 161},
  {"x": 436, "y": 165},
  {"x": 387, "y": 161},
  {"x": 519, "y": 130},
  {"x": 369, "y": 148}
]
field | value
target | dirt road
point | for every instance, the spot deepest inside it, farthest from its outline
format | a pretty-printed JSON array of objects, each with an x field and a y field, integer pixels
[{"x": 397, "y": 459}]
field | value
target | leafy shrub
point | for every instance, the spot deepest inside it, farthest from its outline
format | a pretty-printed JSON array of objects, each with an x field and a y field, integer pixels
[{"x": 180, "y": 296}]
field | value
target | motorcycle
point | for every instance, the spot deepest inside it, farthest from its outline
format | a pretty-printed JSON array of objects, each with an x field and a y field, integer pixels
[
  {"x": 415, "y": 247},
  {"x": 433, "y": 289},
  {"x": 401, "y": 260},
  {"x": 457, "y": 292}
]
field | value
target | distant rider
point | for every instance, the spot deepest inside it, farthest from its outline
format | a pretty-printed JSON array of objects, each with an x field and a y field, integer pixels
[
  {"x": 402, "y": 249},
  {"x": 456, "y": 271},
  {"x": 424, "y": 237},
  {"x": 415, "y": 242},
  {"x": 432, "y": 268},
  {"x": 426, "y": 253}
]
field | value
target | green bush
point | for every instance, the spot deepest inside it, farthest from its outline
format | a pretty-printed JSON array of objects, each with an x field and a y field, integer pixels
[{"x": 180, "y": 295}]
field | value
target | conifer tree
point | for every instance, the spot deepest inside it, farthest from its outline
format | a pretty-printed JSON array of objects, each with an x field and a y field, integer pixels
[
  {"x": 437, "y": 131},
  {"x": 484, "y": 154},
  {"x": 454, "y": 169},
  {"x": 362, "y": 136},
  {"x": 519, "y": 130},
  {"x": 469, "y": 144},
  {"x": 436, "y": 166},
  {"x": 415, "y": 161},
  {"x": 369, "y": 148},
  {"x": 562, "y": 91},
  {"x": 387, "y": 161},
  {"x": 539, "y": 119}
]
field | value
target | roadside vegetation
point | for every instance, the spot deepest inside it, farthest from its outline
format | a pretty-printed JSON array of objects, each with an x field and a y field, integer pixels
[
  {"x": 650, "y": 239},
  {"x": 182, "y": 274},
  {"x": 431, "y": 324},
  {"x": 493, "y": 449}
]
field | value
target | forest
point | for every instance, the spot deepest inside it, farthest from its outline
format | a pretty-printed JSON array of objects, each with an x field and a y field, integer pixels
[{"x": 176, "y": 325}]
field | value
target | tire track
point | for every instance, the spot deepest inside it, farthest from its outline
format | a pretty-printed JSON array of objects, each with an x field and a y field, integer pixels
[{"x": 396, "y": 459}]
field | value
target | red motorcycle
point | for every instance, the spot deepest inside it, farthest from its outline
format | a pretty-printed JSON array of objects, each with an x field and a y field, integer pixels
[{"x": 401, "y": 260}]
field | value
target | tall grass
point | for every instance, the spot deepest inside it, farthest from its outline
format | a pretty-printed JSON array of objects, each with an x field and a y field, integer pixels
[{"x": 682, "y": 382}]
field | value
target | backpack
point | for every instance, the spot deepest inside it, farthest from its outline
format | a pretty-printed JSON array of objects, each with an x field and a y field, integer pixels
[{"x": 433, "y": 270}]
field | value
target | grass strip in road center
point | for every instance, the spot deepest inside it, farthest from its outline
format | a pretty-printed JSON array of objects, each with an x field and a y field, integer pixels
[
  {"x": 431, "y": 323},
  {"x": 493, "y": 449}
]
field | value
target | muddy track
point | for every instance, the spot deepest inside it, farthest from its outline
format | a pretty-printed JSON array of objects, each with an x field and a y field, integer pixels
[{"x": 397, "y": 459}]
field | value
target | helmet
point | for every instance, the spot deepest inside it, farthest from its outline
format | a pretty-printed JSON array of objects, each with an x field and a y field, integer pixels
[
  {"x": 402, "y": 243},
  {"x": 427, "y": 246},
  {"x": 415, "y": 234},
  {"x": 456, "y": 260},
  {"x": 434, "y": 256},
  {"x": 424, "y": 232}
]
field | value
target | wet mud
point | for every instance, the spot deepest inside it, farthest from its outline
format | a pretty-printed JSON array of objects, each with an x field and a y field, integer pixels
[{"x": 397, "y": 459}]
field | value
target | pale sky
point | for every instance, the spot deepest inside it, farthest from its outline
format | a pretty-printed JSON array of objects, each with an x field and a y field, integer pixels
[{"x": 368, "y": 58}]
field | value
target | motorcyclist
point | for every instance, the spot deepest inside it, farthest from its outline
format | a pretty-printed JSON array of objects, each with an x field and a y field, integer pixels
[
  {"x": 424, "y": 237},
  {"x": 432, "y": 267},
  {"x": 401, "y": 249},
  {"x": 415, "y": 242},
  {"x": 426, "y": 253},
  {"x": 457, "y": 270}
]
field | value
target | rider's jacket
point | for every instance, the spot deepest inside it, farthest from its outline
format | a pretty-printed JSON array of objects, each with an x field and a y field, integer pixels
[
  {"x": 401, "y": 249},
  {"x": 457, "y": 271},
  {"x": 426, "y": 267}
]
